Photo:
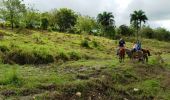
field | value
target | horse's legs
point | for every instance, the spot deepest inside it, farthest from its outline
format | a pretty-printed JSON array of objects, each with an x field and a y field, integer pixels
[{"x": 146, "y": 58}]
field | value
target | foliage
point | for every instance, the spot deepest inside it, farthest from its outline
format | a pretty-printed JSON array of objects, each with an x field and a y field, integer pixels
[
  {"x": 85, "y": 24},
  {"x": 44, "y": 23},
  {"x": 107, "y": 24},
  {"x": 125, "y": 30},
  {"x": 162, "y": 34},
  {"x": 85, "y": 43},
  {"x": 11, "y": 77},
  {"x": 136, "y": 19},
  {"x": 13, "y": 11},
  {"x": 65, "y": 19},
  {"x": 32, "y": 18},
  {"x": 147, "y": 32}
]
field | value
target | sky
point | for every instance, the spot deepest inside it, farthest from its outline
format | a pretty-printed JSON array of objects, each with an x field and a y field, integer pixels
[{"x": 157, "y": 11}]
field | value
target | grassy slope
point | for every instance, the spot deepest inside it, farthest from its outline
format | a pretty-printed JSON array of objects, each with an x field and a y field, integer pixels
[{"x": 70, "y": 68}]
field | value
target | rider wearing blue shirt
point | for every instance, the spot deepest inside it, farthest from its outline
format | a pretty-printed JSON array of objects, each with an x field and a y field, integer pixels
[{"x": 137, "y": 46}]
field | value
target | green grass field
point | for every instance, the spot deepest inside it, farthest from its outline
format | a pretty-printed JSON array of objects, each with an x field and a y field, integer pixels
[{"x": 39, "y": 65}]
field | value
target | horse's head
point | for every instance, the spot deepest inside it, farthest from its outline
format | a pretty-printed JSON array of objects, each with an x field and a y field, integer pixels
[
  {"x": 145, "y": 51},
  {"x": 128, "y": 52}
]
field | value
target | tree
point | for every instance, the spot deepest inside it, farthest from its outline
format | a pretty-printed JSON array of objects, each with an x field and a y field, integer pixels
[
  {"x": 147, "y": 32},
  {"x": 85, "y": 24},
  {"x": 32, "y": 18},
  {"x": 137, "y": 17},
  {"x": 162, "y": 34},
  {"x": 65, "y": 19},
  {"x": 107, "y": 23},
  {"x": 44, "y": 23},
  {"x": 124, "y": 30},
  {"x": 12, "y": 11}
]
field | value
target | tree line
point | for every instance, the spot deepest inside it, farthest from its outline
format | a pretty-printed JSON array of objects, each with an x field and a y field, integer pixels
[{"x": 15, "y": 14}]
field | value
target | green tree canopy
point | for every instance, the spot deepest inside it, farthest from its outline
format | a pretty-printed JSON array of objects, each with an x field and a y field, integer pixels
[
  {"x": 147, "y": 32},
  {"x": 13, "y": 11},
  {"x": 65, "y": 19},
  {"x": 107, "y": 24},
  {"x": 162, "y": 34},
  {"x": 32, "y": 18},
  {"x": 136, "y": 19},
  {"x": 125, "y": 30},
  {"x": 85, "y": 24}
]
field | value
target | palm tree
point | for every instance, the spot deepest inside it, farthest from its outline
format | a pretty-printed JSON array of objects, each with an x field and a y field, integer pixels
[
  {"x": 137, "y": 17},
  {"x": 106, "y": 20}
]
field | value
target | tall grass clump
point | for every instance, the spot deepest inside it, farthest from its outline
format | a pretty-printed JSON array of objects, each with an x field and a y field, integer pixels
[
  {"x": 95, "y": 43},
  {"x": 29, "y": 55},
  {"x": 11, "y": 76},
  {"x": 74, "y": 55},
  {"x": 62, "y": 56},
  {"x": 85, "y": 43}
]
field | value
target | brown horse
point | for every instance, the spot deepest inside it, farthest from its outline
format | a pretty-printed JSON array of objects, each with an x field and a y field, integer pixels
[
  {"x": 142, "y": 55},
  {"x": 146, "y": 53},
  {"x": 138, "y": 55},
  {"x": 121, "y": 55}
]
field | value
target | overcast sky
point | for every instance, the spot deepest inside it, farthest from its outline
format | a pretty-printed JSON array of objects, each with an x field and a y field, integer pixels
[{"x": 158, "y": 11}]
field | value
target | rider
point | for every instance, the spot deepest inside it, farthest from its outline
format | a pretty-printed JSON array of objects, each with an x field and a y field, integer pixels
[
  {"x": 121, "y": 45},
  {"x": 136, "y": 46},
  {"x": 139, "y": 45}
]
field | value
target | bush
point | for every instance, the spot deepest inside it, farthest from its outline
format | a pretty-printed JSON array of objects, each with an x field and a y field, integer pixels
[
  {"x": 162, "y": 34},
  {"x": 95, "y": 44},
  {"x": 74, "y": 55},
  {"x": 11, "y": 77},
  {"x": 62, "y": 56},
  {"x": 28, "y": 57},
  {"x": 85, "y": 43},
  {"x": 4, "y": 48},
  {"x": 147, "y": 32},
  {"x": 44, "y": 23},
  {"x": 49, "y": 29}
]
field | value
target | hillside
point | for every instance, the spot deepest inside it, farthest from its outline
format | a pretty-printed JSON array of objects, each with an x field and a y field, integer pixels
[{"x": 38, "y": 65}]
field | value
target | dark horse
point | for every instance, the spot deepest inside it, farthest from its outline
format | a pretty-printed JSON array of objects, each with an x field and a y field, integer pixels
[
  {"x": 121, "y": 55},
  {"x": 146, "y": 53},
  {"x": 141, "y": 55}
]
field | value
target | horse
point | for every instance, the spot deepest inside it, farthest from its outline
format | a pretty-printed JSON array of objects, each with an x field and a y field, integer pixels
[
  {"x": 121, "y": 54},
  {"x": 146, "y": 53},
  {"x": 142, "y": 55},
  {"x": 138, "y": 55},
  {"x": 129, "y": 53}
]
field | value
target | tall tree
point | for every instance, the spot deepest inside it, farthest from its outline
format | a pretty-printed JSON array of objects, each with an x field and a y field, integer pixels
[
  {"x": 32, "y": 18},
  {"x": 85, "y": 24},
  {"x": 12, "y": 11},
  {"x": 137, "y": 17},
  {"x": 107, "y": 23},
  {"x": 125, "y": 30},
  {"x": 65, "y": 19}
]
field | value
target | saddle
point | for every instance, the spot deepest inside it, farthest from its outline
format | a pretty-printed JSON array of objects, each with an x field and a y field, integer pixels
[{"x": 138, "y": 54}]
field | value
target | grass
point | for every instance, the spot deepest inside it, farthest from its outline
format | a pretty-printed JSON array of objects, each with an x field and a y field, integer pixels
[{"x": 58, "y": 65}]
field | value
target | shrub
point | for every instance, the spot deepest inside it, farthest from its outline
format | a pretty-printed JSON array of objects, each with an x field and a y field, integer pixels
[
  {"x": 4, "y": 48},
  {"x": 74, "y": 55},
  {"x": 22, "y": 57},
  {"x": 11, "y": 77},
  {"x": 49, "y": 29},
  {"x": 62, "y": 56},
  {"x": 43, "y": 57},
  {"x": 44, "y": 23},
  {"x": 95, "y": 43},
  {"x": 85, "y": 43}
]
